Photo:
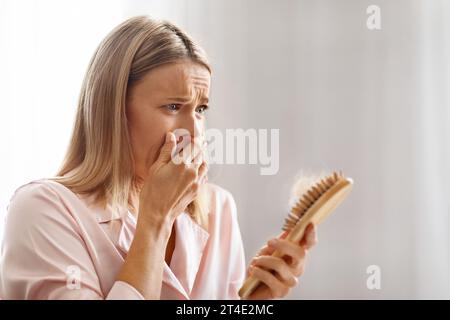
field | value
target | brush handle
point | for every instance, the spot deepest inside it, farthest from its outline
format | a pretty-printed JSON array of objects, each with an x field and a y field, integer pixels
[
  {"x": 252, "y": 283},
  {"x": 321, "y": 208}
]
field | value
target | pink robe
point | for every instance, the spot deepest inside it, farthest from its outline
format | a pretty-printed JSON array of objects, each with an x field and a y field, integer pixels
[{"x": 57, "y": 245}]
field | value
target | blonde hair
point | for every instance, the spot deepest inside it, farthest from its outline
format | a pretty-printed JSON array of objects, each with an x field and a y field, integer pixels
[{"x": 99, "y": 159}]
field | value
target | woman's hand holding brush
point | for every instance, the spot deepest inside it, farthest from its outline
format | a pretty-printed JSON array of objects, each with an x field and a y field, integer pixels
[{"x": 279, "y": 275}]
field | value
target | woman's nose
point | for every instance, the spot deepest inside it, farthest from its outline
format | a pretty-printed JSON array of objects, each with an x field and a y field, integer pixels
[{"x": 193, "y": 125}]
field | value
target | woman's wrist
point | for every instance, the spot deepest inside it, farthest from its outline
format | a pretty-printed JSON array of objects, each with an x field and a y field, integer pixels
[
  {"x": 155, "y": 225},
  {"x": 143, "y": 267}
]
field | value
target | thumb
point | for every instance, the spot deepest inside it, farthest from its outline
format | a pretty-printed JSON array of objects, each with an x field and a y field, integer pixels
[{"x": 165, "y": 153}]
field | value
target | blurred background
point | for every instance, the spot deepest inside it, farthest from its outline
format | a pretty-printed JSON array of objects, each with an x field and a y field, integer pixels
[{"x": 374, "y": 103}]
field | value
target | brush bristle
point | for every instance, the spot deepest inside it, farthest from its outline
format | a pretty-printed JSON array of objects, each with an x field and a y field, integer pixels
[{"x": 308, "y": 198}]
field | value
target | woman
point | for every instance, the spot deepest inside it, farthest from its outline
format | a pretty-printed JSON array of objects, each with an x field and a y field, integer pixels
[{"x": 122, "y": 219}]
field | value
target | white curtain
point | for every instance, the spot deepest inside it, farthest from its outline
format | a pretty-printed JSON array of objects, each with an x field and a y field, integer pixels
[
  {"x": 431, "y": 157},
  {"x": 372, "y": 103},
  {"x": 45, "y": 47}
]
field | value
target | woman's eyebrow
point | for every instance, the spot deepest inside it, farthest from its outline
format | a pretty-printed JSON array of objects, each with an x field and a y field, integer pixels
[{"x": 180, "y": 99}]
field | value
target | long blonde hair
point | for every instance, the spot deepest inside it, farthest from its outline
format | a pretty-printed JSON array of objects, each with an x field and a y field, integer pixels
[{"x": 99, "y": 159}]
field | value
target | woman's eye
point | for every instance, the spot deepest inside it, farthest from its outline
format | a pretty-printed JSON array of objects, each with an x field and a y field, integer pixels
[
  {"x": 202, "y": 109},
  {"x": 172, "y": 107}
]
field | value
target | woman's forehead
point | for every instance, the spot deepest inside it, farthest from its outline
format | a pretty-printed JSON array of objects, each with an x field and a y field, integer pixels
[{"x": 182, "y": 79}]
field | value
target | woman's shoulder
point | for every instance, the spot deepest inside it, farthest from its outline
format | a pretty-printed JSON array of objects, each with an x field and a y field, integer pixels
[
  {"x": 38, "y": 196},
  {"x": 39, "y": 188}
]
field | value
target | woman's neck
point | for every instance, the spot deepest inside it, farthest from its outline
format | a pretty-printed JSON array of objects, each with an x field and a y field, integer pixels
[{"x": 133, "y": 199}]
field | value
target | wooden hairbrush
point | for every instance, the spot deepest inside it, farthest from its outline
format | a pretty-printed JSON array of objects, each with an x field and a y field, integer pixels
[{"x": 313, "y": 206}]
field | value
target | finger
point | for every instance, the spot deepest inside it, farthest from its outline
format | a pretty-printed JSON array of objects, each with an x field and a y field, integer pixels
[
  {"x": 294, "y": 251},
  {"x": 277, "y": 288},
  {"x": 184, "y": 154},
  {"x": 279, "y": 266},
  {"x": 195, "y": 155},
  {"x": 167, "y": 149},
  {"x": 202, "y": 172},
  {"x": 266, "y": 250},
  {"x": 183, "y": 141},
  {"x": 178, "y": 155},
  {"x": 283, "y": 234},
  {"x": 204, "y": 179},
  {"x": 310, "y": 237},
  {"x": 188, "y": 154},
  {"x": 198, "y": 160},
  {"x": 190, "y": 193}
]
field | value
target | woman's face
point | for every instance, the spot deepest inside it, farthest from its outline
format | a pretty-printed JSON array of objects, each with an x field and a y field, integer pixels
[{"x": 172, "y": 96}]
